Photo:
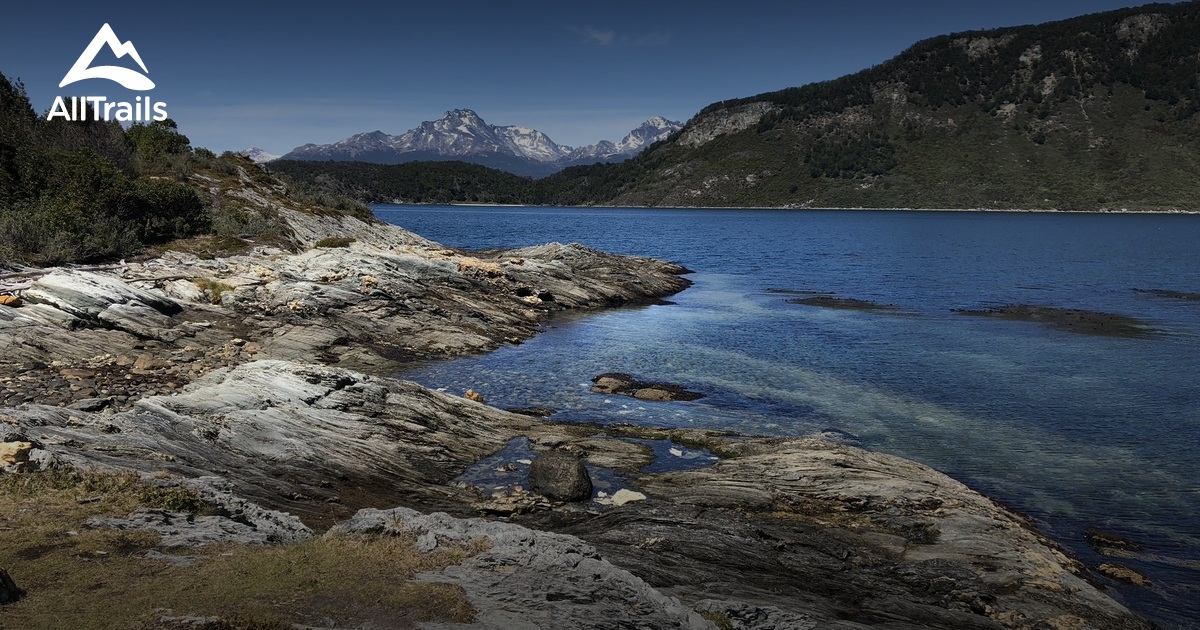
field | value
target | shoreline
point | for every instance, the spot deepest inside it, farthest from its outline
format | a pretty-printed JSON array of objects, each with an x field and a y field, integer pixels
[
  {"x": 1123, "y": 211},
  {"x": 267, "y": 384}
]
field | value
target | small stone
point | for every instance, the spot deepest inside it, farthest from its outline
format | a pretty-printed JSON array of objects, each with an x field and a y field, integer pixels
[
  {"x": 147, "y": 363},
  {"x": 624, "y": 495},
  {"x": 77, "y": 373}
]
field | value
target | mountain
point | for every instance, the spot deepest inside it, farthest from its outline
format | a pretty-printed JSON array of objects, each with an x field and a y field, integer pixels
[
  {"x": 257, "y": 155},
  {"x": 462, "y": 135},
  {"x": 653, "y": 130},
  {"x": 1096, "y": 112}
]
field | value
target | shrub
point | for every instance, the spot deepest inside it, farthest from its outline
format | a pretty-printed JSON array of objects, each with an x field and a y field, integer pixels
[{"x": 334, "y": 241}]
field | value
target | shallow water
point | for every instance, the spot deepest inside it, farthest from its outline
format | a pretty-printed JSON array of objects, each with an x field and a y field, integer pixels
[{"x": 1077, "y": 431}]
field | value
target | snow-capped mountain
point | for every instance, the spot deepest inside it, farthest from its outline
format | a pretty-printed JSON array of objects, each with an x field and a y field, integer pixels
[
  {"x": 463, "y": 135},
  {"x": 651, "y": 131},
  {"x": 258, "y": 155}
]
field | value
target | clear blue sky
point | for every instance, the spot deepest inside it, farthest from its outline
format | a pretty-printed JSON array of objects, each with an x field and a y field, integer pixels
[{"x": 280, "y": 74}]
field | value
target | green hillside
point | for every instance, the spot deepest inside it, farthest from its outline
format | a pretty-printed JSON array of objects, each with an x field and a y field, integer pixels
[{"x": 1096, "y": 112}]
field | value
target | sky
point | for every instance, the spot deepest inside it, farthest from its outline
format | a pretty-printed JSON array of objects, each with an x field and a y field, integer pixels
[{"x": 277, "y": 75}]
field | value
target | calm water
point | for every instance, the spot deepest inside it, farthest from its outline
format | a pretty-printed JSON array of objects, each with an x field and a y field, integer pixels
[{"x": 1074, "y": 430}]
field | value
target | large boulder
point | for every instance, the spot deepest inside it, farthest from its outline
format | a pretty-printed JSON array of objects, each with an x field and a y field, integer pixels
[{"x": 560, "y": 476}]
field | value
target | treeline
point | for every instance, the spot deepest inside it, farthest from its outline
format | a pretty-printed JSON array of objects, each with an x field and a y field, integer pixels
[
  {"x": 85, "y": 191},
  {"x": 73, "y": 192},
  {"x": 411, "y": 182}
]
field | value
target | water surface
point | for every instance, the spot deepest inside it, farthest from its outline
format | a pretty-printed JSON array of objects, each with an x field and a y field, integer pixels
[{"x": 1077, "y": 431}]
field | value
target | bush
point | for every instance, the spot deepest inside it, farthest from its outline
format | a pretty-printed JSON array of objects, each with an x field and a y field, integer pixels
[{"x": 335, "y": 241}]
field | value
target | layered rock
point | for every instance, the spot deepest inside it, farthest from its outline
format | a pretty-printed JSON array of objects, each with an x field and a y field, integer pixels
[
  {"x": 388, "y": 297},
  {"x": 780, "y": 529}
]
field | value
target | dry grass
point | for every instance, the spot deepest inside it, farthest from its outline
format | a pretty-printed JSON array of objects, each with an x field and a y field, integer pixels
[
  {"x": 82, "y": 578},
  {"x": 212, "y": 288}
]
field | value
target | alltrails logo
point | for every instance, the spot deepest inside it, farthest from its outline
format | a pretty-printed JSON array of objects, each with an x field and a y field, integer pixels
[{"x": 143, "y": 109}]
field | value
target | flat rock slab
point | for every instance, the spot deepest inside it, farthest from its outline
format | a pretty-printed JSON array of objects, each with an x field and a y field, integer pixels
[
  {"x": 833, "y": 533},
  {"x": 531, "y": 580}
]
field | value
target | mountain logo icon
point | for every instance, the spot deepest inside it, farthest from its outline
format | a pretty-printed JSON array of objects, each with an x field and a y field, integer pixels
[{"x": 130, "y": 79}]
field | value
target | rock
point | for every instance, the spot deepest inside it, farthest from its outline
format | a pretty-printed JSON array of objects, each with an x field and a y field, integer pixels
[
  {"x": 238, "y": 522},
  {"x": 89, "y": 404},
  {"x": 626, "y": 385},
  {"x": 612, "y": 383},
  {"x": 279, "y": 430},
  {"x": 653, "y": 394},
  {"x": 830, "y": 533},
  {"x": 1109, "y": 544},
  {"x": 9, "y": 591},
  {"x": 14, "y": 452},
  {"x": 76, "y": 373},
  {"x": 147, "y": 364},
  {"x": 841, "y": 303},
  {"x": 1073, "y": 320},
  {"x": 527, "y": 579},
  {"x": 1125, "y": 574},
  {"x": 427, "y": 542},
  {"x": 535, "y": 412},
  {"x": 625, "y": 495},
  {"x": 742, "y": 616},
  {"x": 560, "y": 476},
  {"x": 473, "y": 395}
]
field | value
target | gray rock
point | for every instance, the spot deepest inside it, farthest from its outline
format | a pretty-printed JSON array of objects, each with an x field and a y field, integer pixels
[
  {"x": 831, "y": 532},
  {"x": 528, "y": 579},
  {"x": 88, "y": 404},
  {"x": 238, "y": 521},
  {"x": 742, "y": 616},
  {"x": 560, "y": 476}
]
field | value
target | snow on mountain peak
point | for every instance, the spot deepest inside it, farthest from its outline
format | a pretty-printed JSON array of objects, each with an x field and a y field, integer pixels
[
  {"x": 258, "y": 155},
  {"x": 462, "y": 133}
]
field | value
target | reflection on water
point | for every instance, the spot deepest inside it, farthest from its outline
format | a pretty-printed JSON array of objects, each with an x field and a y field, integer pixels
[{"x": 1077, "y": 431}]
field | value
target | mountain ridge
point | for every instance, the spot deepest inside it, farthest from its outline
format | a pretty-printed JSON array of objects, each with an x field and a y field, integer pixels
[
  {"x": 1098, "y": 112},
  {"x": 463, "y": 135}
]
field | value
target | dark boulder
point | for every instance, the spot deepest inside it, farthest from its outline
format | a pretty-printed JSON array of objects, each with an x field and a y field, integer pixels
[{"x": 560, "y": 476}]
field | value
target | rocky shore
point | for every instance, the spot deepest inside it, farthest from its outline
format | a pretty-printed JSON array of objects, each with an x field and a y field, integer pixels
[{"x": 262, "y": 379}]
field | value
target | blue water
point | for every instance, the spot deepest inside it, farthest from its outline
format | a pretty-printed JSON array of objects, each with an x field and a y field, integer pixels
[{"x": 1074, "y": 430}]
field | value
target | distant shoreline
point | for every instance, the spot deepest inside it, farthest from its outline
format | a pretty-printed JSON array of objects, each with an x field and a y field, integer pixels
[{"x": 846, "y": 209}]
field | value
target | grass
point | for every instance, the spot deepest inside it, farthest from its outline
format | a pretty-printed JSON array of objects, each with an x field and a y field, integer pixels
[
  {"x": 213, "y": 288},
  {"x": 334, "y": 241},
  {"x": 330, "y": 580}
]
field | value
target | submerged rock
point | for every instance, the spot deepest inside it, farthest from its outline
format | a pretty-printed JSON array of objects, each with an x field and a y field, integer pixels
[
  {"x": 560, "y": 476},
  {"x": 1073, "y": 320},
  {"x": 626, "y": 385},
  {"x": 843, "y": 303},
  {"x": 1125, "y": 574}
]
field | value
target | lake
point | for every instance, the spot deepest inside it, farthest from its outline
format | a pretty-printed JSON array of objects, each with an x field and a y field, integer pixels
[{"x": 1074, "y": 430}]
